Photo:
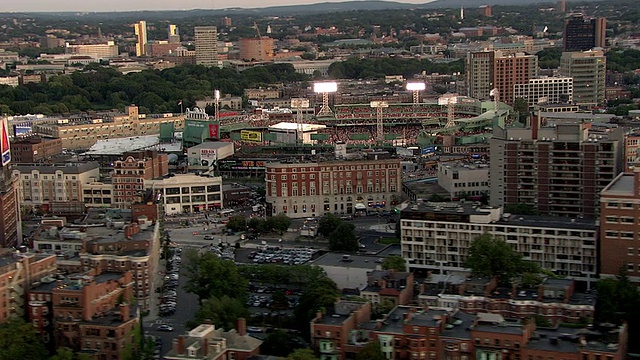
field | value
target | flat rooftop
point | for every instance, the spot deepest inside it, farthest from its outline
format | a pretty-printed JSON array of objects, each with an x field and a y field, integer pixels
[
  {"x": 622, "y": 185},
  {"x": 119, "y": 146},
  {"x": 354, "y": 261}
]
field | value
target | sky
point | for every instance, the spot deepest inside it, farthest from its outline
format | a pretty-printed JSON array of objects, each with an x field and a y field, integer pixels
[{"x": 132, "y": 5}]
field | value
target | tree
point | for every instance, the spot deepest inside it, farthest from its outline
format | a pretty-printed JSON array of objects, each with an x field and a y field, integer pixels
[
  {"x": 522, "y": 107},
  {"x": 64, "y": 353},
  {"x": 18, "y": 340},
  {"x": 210, "y": 276},
  {"x": 343, "y": 238},
  {"x": 222, "y": 311},
  {"x": 237, "y": 223},
  {"x": 279, "y": 343},
  {"x": 302, "y": 354},
  {"x": 328, "y": 224},
  {"x": 491, "y": 256},
  {"x": 280, "y": 223},
  {"x": 394, "y": 262},
  {"x": 279, "y": 300},
  {"x": 371, "y": 351},
  {"x": 256, "y": 224},
  {"x": 317, "y": 295},
  {"x": 380, "y": 310}
]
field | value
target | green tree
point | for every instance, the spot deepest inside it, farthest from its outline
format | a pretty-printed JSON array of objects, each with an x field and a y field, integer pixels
[
  {"x": 280, "y": 223},
  {"x": 210, "y": 276},
  {"x": 279, "y": 300},
  {"x": 522, "y": 107},
  {"x": 237, "y": 223},
  {"x": 371, "y": 351},
  {"x": 328, "y": 224},
  {"x": 18, "y": 340},
  {"x": 64, "y": 353},
  {"x": 302, "y": 354},
  {"x": 317, "y": 295},
  {"x": 491, "y": 256},
  {"x": 381, "y": 309},
  {"x": 256, "y": 224},
  {"x": 343, "y": 238},
  {"x": 394, "y": 262},
  {"x": 279, "y": 343},
  {"x": 222, "y": 311}
]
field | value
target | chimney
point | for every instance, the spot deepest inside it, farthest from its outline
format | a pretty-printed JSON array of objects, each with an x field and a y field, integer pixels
[
  {"x": 205, "y": 347},
  {"x": 242, "y": 326},
  {"x": 125, "y": 313},
  {"x": 131, "y": 230},
  {"x": 180, "y": 348}
]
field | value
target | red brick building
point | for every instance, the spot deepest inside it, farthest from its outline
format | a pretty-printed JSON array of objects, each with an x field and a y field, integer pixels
[
  {"x": 310, "y": 189},
  {"x": 619, "y": 228},
  {"x": 389, "y": 285},
  {"x": 130, "y": 173},
  {"x": 86, "y": 312},
  {"x": 33, "y": 149},
  {"x": 331, "y": 331}
]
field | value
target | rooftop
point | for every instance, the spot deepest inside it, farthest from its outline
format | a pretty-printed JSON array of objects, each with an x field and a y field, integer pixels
[
  {"x": 212, "y": 145},
  {"x": 67, "y": 168},
  {"x": 287, "y": 126},
  {"x": 118, "y": 146},
  {"x": 622, "y": 185},
  {"x": 349, "y": 261}
]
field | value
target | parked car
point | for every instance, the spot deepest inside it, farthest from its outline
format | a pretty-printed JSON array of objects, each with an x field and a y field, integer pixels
[{"x": 165, "y": 327}]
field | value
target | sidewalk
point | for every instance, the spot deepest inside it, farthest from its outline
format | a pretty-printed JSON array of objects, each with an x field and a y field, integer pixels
[
  {"x": 157, "y": 283},
  {"x": 385, "y": 228}
]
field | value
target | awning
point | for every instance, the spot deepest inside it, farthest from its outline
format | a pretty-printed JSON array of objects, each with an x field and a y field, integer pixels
[{"x": 360, "y": 206}]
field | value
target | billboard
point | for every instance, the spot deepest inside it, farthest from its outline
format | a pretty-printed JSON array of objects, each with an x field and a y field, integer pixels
[
  {"x": 5, "y": 148},
  {"x": 242, "y": 164},
  {"x": 247, "y": 135},
  {"x": 207, "y": 157},
  {"x": 21, "y": 129},
  {"x": 429, "y": 150},
  {"x": 214, "y": 131}
]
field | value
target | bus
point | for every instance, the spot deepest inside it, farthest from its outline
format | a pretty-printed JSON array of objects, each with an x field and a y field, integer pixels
[{"x": 226, "y": 213}]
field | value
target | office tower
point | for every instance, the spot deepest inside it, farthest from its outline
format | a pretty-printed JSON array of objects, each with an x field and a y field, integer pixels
[
  {"x": 173, "y": 34},
  {"x": 106, "y": 50},
  {"x": 10, "y": 231},
  {"x": 487, "y": 70},
  {"x": 485, "y": 10},
  {"x": 257, "y": 49},
  {"x": 588, "y": 70},
  {"x": 226, "y": 21},
  {"x": 556, "y": 165},
  {"x": 561, "y": 6},
  {"x": 479, "y": 74},
  {"x": 206, "y": 45},
  {"x": 140, "y": 29},
  {"x": 582, "y": 33}
]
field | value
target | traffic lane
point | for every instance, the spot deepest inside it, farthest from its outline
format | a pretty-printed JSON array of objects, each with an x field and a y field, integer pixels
[{"x": 187, "y": 305}]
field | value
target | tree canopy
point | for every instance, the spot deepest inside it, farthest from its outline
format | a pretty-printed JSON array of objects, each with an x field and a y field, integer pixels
[
  {"x": 343, "y": 238},
  {"x": 18, "y": 340},
  {"x": 356, "y": 68},
  {"x": 210, "y": 276},
  {"x": 223, "y": 312},
  {"x": 394, "y": 262},
  {"x": 280, "y": 343},
  {"x": 302, "y": 354},
  {"x": 491, "y": 256},
  {"x": 328, "y": 224},
  {"x": 318, "y": 295},
  {"x": 371, "y": 351}
]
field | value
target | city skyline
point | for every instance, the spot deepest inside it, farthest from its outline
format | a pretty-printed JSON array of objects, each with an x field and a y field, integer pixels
[{"x": 142, "y": 5}]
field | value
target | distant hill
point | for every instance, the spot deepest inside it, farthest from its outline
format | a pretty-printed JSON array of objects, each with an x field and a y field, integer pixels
[{"x": 476, "y": 3}]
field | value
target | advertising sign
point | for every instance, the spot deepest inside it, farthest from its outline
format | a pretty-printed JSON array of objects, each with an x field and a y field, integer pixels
[
  {"x": 247, "y": 135},
  {"x": 214, "y": 131},
  {"x": 428, "y": 150},
  {"x": 5, "y": 148},
  {"x": 207, "y": 154}
]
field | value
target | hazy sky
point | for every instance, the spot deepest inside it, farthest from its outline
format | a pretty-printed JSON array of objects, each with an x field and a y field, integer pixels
[{"x": 126, "y": 5}]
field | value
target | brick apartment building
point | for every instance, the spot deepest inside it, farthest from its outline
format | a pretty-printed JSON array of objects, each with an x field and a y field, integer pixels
[
  {"x": 86, "y": 312},
  {"x": 34, "y": 149},
  {"x": 205, "y": 342},
  {"x": 310, "y": 189},
  {"x": 619, "y": 228},
  {"x": 18, "y": 272},
  {"x": 389, "y": 285},
  {"x": 442, "y": 333},
  {"x": 131, "y": 172}
]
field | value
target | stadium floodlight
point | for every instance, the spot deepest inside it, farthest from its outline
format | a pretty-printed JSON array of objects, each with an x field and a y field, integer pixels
[
  {"x": 325, "y": 88},
  {"x": 216, "y": 105},
  {"x": 449, "y": 100},
  {"x": 416, "y": 86},
  {"x": 298, "y": 104},
  {"x": 379, "y": 105},
  {"x": 217, "y": 94}
]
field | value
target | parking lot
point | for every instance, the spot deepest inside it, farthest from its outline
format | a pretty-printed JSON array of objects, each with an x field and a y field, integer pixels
[{"x": 284, "y": 256}]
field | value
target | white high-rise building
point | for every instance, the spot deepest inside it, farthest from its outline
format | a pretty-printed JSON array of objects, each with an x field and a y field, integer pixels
[
  {"x": 588, "y": 70},
  {"x": 206, "y": 45},
  {"x": 552, "y": 90}
]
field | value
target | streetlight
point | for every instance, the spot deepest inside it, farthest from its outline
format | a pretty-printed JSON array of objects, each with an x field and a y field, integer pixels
[
  {"x": 325, "y": 88},
  {"x": 379, "y": 106}
]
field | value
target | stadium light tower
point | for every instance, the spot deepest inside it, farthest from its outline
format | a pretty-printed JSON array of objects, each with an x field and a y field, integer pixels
[
  {"x": 450, "y": 100},
  {"x": 496, "y": 98},
  {"x": 416, "y": 87},
  {"x": 298, "y": 104},
  {"x": 379, "y": 106},
  {"x": 325, "y": 88},
  {"x": 216, "y": 106}
]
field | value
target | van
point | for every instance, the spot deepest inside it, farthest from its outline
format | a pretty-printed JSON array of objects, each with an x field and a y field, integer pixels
[{"x": 209, "y": 237}]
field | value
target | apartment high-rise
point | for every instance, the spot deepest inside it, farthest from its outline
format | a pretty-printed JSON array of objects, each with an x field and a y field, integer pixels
[
  {"x": 558, "y": 167},
  {"x": 588, "y": 70},
  {"x": 487, "y": 70},
  {"x": 582, "y": 33},
  {"x": 10, "y": 229},
  {"x": 173, "y": 34},
  {"x": 206, "y": 45},
  {"x": 552, "y": 90},
  {"x": 140, "y": 29},
  {"x": 479, "y": 74},
  {"x": 257, "y": 49}
]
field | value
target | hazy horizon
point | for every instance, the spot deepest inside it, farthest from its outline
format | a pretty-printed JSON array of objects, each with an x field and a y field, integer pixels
[{"x": 142, "y": 5}]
